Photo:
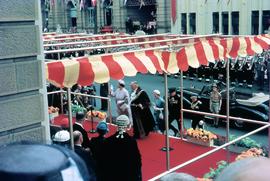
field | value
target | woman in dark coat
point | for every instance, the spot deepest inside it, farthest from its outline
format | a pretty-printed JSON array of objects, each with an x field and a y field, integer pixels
[{"x": 143, "y": 120}]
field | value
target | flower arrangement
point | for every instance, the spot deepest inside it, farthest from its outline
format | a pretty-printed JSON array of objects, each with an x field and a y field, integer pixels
[
  {"x": 99, "y": 114},
  {"x": 252, "y": 152},
  {"x": 52, "y": 109},
  {"x": 201, "y": 134}
]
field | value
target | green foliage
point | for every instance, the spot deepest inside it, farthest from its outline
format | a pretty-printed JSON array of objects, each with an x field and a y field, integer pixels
[
  {"x": 77, "y": 108},
  {"x": 213, "y": 173},
  {"x": 246, "y": 142}
]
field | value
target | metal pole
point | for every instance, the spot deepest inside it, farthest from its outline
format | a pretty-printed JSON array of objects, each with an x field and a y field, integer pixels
[
  {"x": 269, "y": 114},
  {"x": 207, "y": 153},
  {"x": 181, "y": 111},
  {"x": 228, "y": 109},
  {"x": 62, "y": 104},
  {"x": 70, "y": 119},
  {"x": 167, "y": 123}
]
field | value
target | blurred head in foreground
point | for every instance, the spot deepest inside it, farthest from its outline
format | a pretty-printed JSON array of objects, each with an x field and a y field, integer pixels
[{"x": 248, "y": 169}]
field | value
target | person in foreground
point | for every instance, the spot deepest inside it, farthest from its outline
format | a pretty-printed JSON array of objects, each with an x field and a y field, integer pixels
[
  {"x": 121, "y": 159},
  {"x": 249, "y": 169},
  {"x": 178, "y": 177}
]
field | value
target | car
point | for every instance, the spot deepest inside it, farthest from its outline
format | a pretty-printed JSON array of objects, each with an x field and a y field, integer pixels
[{"x": 240, "y": 104}]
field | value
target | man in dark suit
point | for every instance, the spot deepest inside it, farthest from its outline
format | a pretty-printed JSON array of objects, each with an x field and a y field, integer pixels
[
  {"x": 104, "y": 90},
  {"x": 78, "y": 126},
  {"x": 84, "y": 154}
]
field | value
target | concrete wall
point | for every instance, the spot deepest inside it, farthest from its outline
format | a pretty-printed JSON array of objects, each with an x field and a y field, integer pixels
[
  {"x": 22, "y": 92},
  {"x": 204, "y": 10}
]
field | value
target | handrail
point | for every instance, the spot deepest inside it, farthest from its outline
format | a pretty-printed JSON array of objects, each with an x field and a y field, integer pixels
[
  {"x": 223, "y": 116},
  {"x": 127, "y": 44},
  {"x": 81, "y": 94},
  {"x": 208, "y": 153},
  {"x": 104, "y": 40}
]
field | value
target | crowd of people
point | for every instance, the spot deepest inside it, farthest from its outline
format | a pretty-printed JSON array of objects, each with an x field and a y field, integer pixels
[{"x": 244, "y": 72}]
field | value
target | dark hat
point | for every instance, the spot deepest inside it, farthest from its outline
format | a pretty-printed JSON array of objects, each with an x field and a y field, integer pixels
[
  {"x": 31, "y": 159},
  {"x": 79, "y": 115},
  {"x": 171, "y": 90}
]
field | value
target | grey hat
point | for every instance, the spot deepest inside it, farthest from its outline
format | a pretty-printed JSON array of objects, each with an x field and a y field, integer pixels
[{"x": 122, "y": 121}]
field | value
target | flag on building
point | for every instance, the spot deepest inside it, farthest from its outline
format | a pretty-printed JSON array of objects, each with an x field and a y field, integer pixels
[
  {"x": 94, "y": 3},
  {"x": 125, "y": 2},
  {"x": 173, "y": 10}
]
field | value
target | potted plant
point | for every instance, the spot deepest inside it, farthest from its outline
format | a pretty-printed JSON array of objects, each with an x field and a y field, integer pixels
[
  {"x": 201, "y": 137},
  {"x": 243, "y": 144},
  {"x": 213, "y": 173}
]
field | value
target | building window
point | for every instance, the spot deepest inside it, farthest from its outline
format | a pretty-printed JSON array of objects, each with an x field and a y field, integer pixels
[
  {"x": 184, "y": 23},
  {"x": 192, "y": 23},
  {"x": 255, "y": 22},
  {"x": 235, "y": 23},
  {"x": 225, "y": 23},
  {"x": 265, "y": 21},
  {"x": 215, "y": 17},
  {"x": 92, "y": 16}
]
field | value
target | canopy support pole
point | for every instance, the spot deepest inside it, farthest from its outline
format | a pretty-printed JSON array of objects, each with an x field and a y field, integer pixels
[
  {"x": 61, "y": 99},
  {"x": 70, "y": 119},
  {"x": 269, "y": 117},
  {"x": 167, "y": 123},
  {"x": 228, "y": 109},
  {"x": 181, "y": 111}
]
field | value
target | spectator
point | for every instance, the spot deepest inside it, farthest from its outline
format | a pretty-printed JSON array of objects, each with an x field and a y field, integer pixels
[
  {"x": 247, "y": 169},
  {"x": 96, "y": 145},
  {"x": 84, "y": 154},
  {"x": 78, "y": 126},
  {"x": 178, "y": 177},
  {"x": 97, "y": 142},
  {"x": 62, "y": 138},
  {"x": 121, "y": 158}
]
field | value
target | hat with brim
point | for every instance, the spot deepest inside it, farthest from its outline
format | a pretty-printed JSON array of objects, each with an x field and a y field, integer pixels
[
  {"x": 156, "y": 92},
  {"x": 193, "y": 97},
  {"x": 121, "y": 82}
]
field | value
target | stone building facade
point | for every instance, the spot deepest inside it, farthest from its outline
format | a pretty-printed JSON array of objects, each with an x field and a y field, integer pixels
[
  {"x": 106, "y": 13},
  {"x": 229, "y": 17},
  {"x": 23, "y": 110}
]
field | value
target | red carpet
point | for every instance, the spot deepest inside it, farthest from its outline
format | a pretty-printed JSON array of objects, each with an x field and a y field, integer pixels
[{"x": 154, "y": 160}]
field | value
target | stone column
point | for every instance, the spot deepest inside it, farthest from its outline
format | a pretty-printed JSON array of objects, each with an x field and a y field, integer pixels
[
  {"x": 23, "y": 99},
  {"x": 163, "y": 16}
]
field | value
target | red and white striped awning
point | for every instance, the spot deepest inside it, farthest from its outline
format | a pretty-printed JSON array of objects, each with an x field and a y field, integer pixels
[{"x": 102, "y": 68}]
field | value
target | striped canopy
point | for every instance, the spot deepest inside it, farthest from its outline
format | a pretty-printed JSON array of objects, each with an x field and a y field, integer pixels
[{"x": 102, "y": 68}]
